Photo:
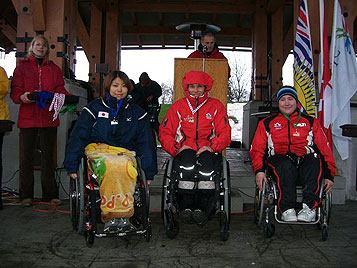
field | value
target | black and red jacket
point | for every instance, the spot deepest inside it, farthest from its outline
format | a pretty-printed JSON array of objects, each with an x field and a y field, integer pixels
[
  {"x": 277, "y": 135},
  {"x": 209, "y": 126}
]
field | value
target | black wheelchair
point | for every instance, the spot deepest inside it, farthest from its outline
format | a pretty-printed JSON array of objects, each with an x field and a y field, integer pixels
[
  {"x": 222, "y": 200},
  {"x": 153, "y": 113},
  {"x": 85, "y": 209},
  {"x": 266, "y": 205}
]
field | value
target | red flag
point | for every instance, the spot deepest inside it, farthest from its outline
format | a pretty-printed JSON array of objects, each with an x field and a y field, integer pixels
[{"x": 325, "y": 85}]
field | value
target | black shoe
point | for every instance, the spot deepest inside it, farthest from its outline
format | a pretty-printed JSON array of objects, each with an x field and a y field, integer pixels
[
  {"x": 186, "y": 215},
  {"x": 199, "y": 216},
  {"x": 118, "y": 225}
]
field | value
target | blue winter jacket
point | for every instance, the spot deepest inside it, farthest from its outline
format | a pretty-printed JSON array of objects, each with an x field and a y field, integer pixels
[{"x": 131, "y": 131}]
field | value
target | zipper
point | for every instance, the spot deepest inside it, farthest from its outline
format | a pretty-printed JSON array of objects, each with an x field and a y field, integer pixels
[
  {"x": 198, "y": 147},
  {"x": 289, "y": 134}
]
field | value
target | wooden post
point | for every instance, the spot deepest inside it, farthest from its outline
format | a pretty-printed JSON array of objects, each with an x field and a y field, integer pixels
[
  {"x": 112, "y": 36},
  {"x": 277, "y": 49},
  {"x": 24, "y": 24},
  {"x": 95, "y": 46},
  {"x": 260, "y": 52}
]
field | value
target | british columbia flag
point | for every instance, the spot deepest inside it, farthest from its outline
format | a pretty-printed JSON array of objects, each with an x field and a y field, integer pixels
[{"x": 304, "y": 81}]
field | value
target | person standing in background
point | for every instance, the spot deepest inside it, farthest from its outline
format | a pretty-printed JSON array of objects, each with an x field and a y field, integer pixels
[
  {"x": 208, "y": 48},
  {"x": 38, "y": 74},
  {"x": 4, "y": 115},
  {"x": 151, "y": 91}
]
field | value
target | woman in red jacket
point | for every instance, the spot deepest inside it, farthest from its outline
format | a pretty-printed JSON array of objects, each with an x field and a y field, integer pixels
[
  {"x": 38, "y": 73},
  {"x": 195, "y": 130},
  {"x": 294, "y": 148}
]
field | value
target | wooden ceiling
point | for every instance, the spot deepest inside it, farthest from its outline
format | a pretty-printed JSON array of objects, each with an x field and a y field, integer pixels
[{"x": 152, "y": 23}]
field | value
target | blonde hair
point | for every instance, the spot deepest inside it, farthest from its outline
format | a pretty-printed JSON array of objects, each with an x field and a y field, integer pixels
[{"x": 45, "y": 43}]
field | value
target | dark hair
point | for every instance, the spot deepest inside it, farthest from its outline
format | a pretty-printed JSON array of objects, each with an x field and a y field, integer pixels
[
  {"x": 208, "y": 33},
  {"x": 109, "y": 78},
  {"x": 144, "y": 79}
]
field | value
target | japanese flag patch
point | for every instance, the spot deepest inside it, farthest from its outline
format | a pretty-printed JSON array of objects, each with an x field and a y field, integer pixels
[{"x": 103, "y": 114}]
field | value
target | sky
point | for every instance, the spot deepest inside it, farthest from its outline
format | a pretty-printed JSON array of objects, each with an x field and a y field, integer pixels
[{"x": 159, "y": 64}]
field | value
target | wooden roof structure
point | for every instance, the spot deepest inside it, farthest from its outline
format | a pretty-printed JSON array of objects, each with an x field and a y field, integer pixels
[{"x": 104, "y": 27}]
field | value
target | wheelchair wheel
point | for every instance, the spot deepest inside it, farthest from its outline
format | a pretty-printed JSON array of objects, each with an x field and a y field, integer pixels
[
  {"x": 148, "y": 233},
  {"x": 326, "y": 206},
  {"x": 145, "y": 203},
  {"x": 269, "y": 230},
  {"x": 77, "y": 197},
  {"x": 224, "y": 226},
  {"x": 324, "y": 232},
  {"x": 225, "y": 215},
  {"x": 171, "y": 226},
  {"x": 89, "y": 237},
  {"x": 259, "y": 202}
]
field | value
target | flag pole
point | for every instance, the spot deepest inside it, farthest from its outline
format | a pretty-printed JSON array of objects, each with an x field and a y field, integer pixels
[
  {"x": 321, "y": 56},
  {"x": 312, "y": 66},
  {"x": 333, "y": 37}
]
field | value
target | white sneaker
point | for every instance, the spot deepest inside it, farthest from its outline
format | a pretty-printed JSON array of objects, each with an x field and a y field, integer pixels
[
  {"x": 289, "y": 215},
  {"x": 306, "y": 214}
]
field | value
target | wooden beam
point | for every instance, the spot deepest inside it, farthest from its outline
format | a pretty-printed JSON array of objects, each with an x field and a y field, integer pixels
[
  {"x": 112, "y": 34},
  {"x": 171, "y": 30},
  {"x": 55, "y": 23},
  {"x": 95, "y": 34},
  {"x": 83, "y": 35},
  {"x": 349, "y": 8},
  {"x": 133, "y": 19},
  {"x": 24, "y": 23},
  {"x": 38, "y": 18},
  {"x": 288, "y": 42},
  {"x": 274, "y": 5},
  {"x": 8, "y": 31},
  {"x": 100, "y": 5},
  {"x": 260, "y": 52},
  {"x": 72, "y": 7},
  {"x": 235, "y": 7},
  {"x": 277, "y": 49}
]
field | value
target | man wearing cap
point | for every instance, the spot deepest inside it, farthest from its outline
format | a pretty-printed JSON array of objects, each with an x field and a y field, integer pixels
[
  {"x": 294, "y": 149},
  {"x": 194, "y": 131}
]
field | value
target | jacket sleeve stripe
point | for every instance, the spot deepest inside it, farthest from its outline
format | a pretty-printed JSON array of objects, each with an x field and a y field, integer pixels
[
  {"x": 142, "y": 116},
  {"x": 85, "y": 108}
]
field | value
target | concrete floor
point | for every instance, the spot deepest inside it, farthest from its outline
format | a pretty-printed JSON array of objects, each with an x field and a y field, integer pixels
[{"x": 29, "y": 238}]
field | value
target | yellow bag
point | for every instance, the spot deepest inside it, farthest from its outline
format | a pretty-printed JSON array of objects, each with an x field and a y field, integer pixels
[{"x": 115, "y": 169}]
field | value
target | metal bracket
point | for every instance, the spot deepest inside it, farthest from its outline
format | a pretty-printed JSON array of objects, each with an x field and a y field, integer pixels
[
  {"x": 62, "y": 54},
  {"x": 23, "y": 39}
]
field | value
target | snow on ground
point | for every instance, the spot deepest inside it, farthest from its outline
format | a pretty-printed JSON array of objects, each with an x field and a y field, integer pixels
[{"x": 236, "y": 110}]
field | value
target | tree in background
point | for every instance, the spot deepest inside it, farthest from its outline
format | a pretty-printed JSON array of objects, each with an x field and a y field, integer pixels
[
  {"x": 240, "y": 80},
  {"x": 167, "y": 93}
]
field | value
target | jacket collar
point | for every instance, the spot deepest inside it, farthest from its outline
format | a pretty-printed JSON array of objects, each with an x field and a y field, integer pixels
[
  {"x": 193, "y": 100},
  {"x": 33, "y": 59},
  {"x": 112, "y": 102}
]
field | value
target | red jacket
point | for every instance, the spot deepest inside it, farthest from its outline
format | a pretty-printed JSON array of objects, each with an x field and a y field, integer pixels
[
  {"x": 215, "y": 54},
  {"x": 209, "y": 126},
  {"x": 276, "y": 135},
  {"x": 29, "y": 77}
]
